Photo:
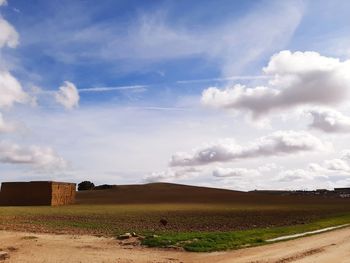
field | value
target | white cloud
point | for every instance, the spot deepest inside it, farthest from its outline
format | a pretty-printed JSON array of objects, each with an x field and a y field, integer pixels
[
  {"x": 268, "y": 167},
  {"x": 95, "y": 142},
  {"x": 337, "y": 165},
  {"x": 68, "y": 95},
  {"x": 8, "y": 35},
  {"x": 280, "y": 178},
  {"x": 330, "y": 121},
  {"x": 244, "y": 172},
  {"x": 299, "y": 175},
  {"x": 235, "y": 172},
  {"x": 317, "y": 168},
  {"x": 11, "y": 90},
  {"x": 38, "y": 157},
  {"x": 170, "y": 175},
  {"x": 278, "y": 143},
  {"x": 332, "y": 166},
  {"x": 293, "y": 175},
  {"x": 224, "y": 79},
  {"x": 6, "y": 126},
  {"x": 345, "y": 154},
  {"x": 299, "y": 78}
]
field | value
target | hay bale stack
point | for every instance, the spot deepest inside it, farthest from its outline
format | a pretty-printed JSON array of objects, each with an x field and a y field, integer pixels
[{"x": 37, "y": 193}]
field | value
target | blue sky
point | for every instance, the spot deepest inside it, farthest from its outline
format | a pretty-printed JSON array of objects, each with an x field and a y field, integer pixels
[
  {"x": 98, "y": 45},
  {"x": 114, "y": 91}
]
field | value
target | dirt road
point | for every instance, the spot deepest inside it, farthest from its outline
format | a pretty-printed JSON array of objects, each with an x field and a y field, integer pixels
[{"x": 45, "y": 248}]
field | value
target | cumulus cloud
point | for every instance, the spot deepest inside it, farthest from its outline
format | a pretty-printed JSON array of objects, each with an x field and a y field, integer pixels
[
  {"x": 68, "y": 95},
  {"x": 293, "y": 175},
  {"x": 8, "y": 34},
  {"x": 235, "y": 172},
  {"x": 330, "y": 121},
  {"x": 325, "y": 170},
  {"x": 170, "y": 174},
  {"x": 38, "y": 157},
  {"x": 299, "y": 175},
  {"x": 337, "y": 165},
  {"x": 317, "y": 168},
  {"x": 299, "y": 78},
  {"x": 345, "y": 154},
  {"x": 278, "y": 143},
  {"x": 269, "y": 167},
  {"x": 11, "y": 90},
  {"x": 332, "y": 166},
  {"x": 244, "y": 172}
]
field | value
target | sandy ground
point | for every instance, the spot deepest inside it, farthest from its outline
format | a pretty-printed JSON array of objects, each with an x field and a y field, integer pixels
[{"x": 327, "y": 247}]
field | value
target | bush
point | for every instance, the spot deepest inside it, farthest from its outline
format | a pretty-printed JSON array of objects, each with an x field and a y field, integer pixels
[{"x": 85, "y": 185}]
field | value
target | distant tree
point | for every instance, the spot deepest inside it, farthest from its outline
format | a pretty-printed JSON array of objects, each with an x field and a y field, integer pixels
[{"x": 85, "y": 185}]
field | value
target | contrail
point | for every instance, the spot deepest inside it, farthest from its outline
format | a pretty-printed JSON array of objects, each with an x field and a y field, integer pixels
[
  {"x": 223, "y": 79},
  {"x": 140, "y": 87},
  {"x": 160, "y": 108},
  {"x": 145, "y": 86},
  {"x": 102, "y": 89}
]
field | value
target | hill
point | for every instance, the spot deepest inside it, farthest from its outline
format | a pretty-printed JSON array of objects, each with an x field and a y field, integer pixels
[
  {"x": 156, "y": 193},
  {"x": 177, "y": 193}
]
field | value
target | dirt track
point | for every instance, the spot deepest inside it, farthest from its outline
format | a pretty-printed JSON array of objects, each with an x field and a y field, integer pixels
[{"x": 23, "y": 247}]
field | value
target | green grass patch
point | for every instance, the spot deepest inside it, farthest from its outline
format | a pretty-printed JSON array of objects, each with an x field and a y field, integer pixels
[{"x": 216, "y": 241}]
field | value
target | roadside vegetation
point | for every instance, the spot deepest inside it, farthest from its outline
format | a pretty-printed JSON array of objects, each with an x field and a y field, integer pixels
[{"x": 216, "y": 241}]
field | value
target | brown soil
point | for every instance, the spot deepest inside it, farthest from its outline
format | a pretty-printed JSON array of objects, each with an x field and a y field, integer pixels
[
  {"x": 206, "y": 209},
  {"x": 175, "y": 193},
  {"x": 323, "y": 248},
  {"x": 109, "y": 225}
]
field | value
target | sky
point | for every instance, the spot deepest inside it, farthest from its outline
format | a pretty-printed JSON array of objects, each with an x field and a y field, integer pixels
[{"x": 232, "y": 94}]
